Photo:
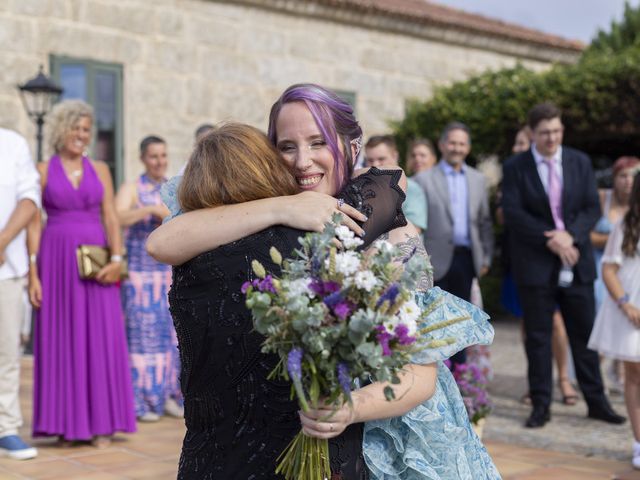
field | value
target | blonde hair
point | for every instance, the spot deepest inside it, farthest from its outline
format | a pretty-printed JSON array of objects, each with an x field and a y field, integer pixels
[
  {"x": 63, "y": 117},
  {"x": 234, "y": 163}
]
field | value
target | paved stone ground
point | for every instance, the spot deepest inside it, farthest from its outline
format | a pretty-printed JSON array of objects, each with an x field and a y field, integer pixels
[
  {"x": 569, "y": 429},
  {"x": 569, "y": 448}
]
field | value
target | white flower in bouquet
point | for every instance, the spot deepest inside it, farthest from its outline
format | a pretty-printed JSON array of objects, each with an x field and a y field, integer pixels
[
  {"x": 383, "y": 246},
  {"x": 347, "y": 237},
  {"x": 347, "y": 263},
  {"x": 391, "y": 323},
  {"x": 299, "y": 286},
  {"x": 365, "y": 280},
  {"x": 409, "y": 314}
]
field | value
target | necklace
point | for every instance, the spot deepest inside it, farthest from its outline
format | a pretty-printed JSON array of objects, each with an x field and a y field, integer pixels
[{"x": 76, "y": 173}]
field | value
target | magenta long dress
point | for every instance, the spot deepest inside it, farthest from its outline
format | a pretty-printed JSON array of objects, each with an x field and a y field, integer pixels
[{"x": 82, "y": 381}]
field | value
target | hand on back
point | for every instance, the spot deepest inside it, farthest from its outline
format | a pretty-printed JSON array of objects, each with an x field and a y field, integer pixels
[{"x": 311, "y": 211}]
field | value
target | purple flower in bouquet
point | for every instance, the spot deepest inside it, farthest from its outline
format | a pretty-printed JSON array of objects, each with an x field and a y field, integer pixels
[
  {"x": 344, "y": 379},
  {"x": 322, "y": 289},
  {"x": 384, "y": 338},
  {"x": 294, "y": 363},
  {"x": 402, "y": 335},
  {"x": 338, "y": 305},
  {"x": 390, "y": 294},
  {"x": 266, "y": 285},
  {"x": 245, "y": 287},
  {"x": 294, "y": 367},
  {"x": 263, "y": 285}
]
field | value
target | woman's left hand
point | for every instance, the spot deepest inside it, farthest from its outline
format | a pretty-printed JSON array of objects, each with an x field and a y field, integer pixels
[
  {"x": 110, "y": 273},
  {"x": 326, "y": 421}
]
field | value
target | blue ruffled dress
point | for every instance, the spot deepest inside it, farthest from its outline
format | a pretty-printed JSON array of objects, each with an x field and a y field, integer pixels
[{"x": 435, "y": 441}]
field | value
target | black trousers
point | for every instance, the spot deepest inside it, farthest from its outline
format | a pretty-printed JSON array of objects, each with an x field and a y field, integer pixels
[
  {"x": 578, "y": 310},
  {"x": 457, "y": 281}
]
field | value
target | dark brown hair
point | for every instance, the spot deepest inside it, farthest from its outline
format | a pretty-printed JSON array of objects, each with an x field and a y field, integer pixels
[
  {"x": 543, "y": 111},
  {"x": 234, "y": 163},
  {"x": 376, "y": 140},
  {"x": 149, "y": 140},
  {"x": 631, "y": 221}
]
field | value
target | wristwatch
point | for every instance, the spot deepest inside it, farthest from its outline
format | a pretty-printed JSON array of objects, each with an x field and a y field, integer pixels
[{"x": 622, "y": 300}]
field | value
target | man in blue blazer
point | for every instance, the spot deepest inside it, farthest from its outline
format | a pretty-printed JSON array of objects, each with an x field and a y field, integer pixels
[{"x": 550, "y": 205}]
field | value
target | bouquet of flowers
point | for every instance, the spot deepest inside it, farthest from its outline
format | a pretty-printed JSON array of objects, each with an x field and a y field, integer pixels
[
  {"x": 333, "y": 316},
  {"x": 473, "y": 387}
]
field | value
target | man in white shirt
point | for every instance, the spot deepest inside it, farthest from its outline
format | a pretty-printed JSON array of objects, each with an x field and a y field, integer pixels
[{"x": 19, "y": 201}]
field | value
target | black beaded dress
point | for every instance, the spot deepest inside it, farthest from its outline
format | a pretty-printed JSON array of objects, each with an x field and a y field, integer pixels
[{"x": 238, "y": 422}]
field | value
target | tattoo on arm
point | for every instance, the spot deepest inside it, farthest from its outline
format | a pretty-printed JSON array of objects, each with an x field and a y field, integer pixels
[{"x": 412, "y": 245}]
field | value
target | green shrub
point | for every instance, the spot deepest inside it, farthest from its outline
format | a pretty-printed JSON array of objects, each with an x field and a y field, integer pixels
[{"x": 599, "y": 96}]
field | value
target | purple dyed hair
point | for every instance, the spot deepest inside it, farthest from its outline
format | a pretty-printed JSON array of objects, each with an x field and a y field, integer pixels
[{"x": 334, "y": 118}]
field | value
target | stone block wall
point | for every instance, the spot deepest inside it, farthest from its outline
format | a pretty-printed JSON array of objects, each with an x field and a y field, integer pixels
[{"x": 186, "y": 62}]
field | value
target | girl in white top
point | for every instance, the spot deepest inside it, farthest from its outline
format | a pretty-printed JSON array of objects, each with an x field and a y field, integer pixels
[{"x": 616, "y": 332}]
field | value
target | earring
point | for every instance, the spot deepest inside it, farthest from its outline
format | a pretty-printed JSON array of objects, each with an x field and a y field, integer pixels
[{"x": 357, "y": 145}]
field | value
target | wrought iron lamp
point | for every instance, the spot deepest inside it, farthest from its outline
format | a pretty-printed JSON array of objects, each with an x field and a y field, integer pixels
[{"x": 38, "y": 96}]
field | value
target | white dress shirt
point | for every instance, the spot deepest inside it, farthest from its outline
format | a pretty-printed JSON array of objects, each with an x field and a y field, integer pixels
[
  {"x": 19, "y": 179},
  {"x": 543, "y": 167}
]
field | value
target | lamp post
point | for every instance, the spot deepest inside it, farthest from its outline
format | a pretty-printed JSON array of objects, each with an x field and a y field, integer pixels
[{"x": 38, "y": 96}]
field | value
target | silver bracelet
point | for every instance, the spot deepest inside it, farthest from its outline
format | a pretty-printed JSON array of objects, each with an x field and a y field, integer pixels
[
  {"x": 116, "y": 258},
  {"x": 33, "y": 259}
]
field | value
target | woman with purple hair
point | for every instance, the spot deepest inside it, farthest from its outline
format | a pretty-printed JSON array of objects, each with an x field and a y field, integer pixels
[{"x": 319, "y": 138}]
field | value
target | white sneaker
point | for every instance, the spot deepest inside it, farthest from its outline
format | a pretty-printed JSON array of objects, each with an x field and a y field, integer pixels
[
  {"x": 13, "y": 447},
  {"x": 635, "y": 461},
  {"x": 172, "y": 408},
  {"x": 149, "y": 417}
]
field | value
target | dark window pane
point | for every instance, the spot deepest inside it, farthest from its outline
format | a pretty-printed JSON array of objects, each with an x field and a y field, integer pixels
[
  {"x": 105, "y": 85},
  {"x": 74, "y": 81}
]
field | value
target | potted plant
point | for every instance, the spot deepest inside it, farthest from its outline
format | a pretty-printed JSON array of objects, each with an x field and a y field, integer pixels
[{"x": 473, "y": 387}]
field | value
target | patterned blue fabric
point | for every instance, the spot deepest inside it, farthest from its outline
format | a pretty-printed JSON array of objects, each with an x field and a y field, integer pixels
[
  {"x": 435, "y": 441},
  {"x": 169, "y": 194},
  {"x": 153, "y": 352}
]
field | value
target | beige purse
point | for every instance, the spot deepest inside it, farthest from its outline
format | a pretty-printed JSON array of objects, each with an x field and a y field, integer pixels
[{"x": 92, "y": 258}]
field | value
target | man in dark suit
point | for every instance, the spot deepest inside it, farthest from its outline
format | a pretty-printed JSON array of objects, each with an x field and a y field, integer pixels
[{"x": 550, "y": 205}]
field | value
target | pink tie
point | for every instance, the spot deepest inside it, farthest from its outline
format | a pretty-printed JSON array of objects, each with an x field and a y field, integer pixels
[{"x": 555, "y": 193}]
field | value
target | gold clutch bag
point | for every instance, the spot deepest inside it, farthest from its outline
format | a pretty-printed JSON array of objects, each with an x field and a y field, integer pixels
[{"x": 91, "y": 259}]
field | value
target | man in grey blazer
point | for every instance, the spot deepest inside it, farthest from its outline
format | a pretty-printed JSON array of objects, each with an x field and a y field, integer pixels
[{"x": 459, "y": 239}]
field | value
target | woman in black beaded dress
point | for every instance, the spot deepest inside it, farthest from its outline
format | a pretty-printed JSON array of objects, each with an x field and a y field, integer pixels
[{"x": 239, "y": 422}]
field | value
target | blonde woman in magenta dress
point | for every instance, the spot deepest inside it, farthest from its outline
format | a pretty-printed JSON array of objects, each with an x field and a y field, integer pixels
[{"x": 82, "y": 383}]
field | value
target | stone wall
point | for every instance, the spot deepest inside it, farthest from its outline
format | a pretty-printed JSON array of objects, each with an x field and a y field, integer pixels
[{"x": 186, "y": 62}]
